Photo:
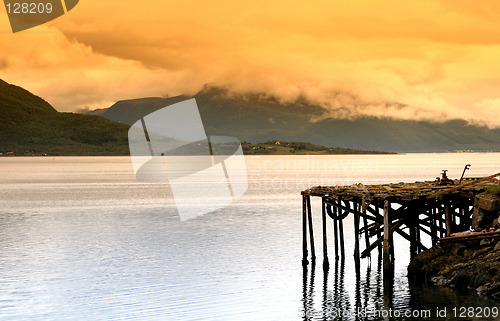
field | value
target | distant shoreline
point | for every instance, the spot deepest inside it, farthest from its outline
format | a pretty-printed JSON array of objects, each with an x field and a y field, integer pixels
[
  {"x": 273, "y": 147},
  {"x": 264, "y": 154}
]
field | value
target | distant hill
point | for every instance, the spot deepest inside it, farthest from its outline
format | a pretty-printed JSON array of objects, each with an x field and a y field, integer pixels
[
  {"x": 274, "y": 147},
  {"x": 256, "y": 118},
  {"x": 31, "y": 126},
  {"x": 130, "y": 111}
]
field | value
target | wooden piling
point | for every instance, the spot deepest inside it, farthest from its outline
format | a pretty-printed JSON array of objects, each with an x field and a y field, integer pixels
[
  {"x": 417, "y": 232},
  {"x": 311, "y": 232},
  {"x": 335, "y": 232},
  {"x": 365, "y": 223},
  {"x": 341, "y": 232},
  {"x": 326, "y": 264},
  {"x": 433, "y": 226},
  {"x": 442, "y": 218},
  {"x": 379, "y": 234},
  {"x": 391, "y": 246},
  {"x": 412, "y": 226},
  {"x": 304, "y": 231},
  {"x": 387, "y": 260},
  {"x": 448, "y": 220},
  {"x": 356, "y": 234}
]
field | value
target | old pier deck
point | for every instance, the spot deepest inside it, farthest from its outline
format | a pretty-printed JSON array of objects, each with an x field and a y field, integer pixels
[{"x": 379, "y": 211}]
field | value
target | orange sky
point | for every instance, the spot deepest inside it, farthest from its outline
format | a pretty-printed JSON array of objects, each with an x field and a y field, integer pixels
[{"x": 413, "y": 59}]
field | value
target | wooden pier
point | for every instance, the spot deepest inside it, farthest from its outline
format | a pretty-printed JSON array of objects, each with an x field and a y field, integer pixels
[{"x": 379, "y": 211}]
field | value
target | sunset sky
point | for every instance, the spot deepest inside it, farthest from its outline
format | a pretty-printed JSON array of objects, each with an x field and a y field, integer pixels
[{"x": 408, "y": 59}]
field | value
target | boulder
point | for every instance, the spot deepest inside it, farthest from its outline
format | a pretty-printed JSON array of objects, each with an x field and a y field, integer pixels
[
  {"x": 488, "y": 202},
  {"x": 485, "y": 213},
  {"x": 483, "y": 289},
  {"x": 478, "y": 219}
]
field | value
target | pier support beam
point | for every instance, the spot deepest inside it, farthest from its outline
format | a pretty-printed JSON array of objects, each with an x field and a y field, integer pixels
[
  {"x": 335, "y": 232},
  {"x": 442, "y": 217},
  {"x": 448, "y": 218},
  {"x": 365, "y": 223},
  {"x": 304, "y": 232},
  {"x": 356, "y": 234},
  {"x": 340, "y": 216},
  {"x": 387, "y": 237},
  {"x": 379, "y": 234},
  {"x": 412, "y": 225},
  {"x": 326, "y": 263},
  {"x": 417, "y": 232},
  {"x": 311, "y": 230},
  {"x": 434, "y": 226}
]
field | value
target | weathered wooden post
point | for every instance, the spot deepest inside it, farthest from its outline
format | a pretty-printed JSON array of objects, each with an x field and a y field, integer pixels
[
  {"x": 379, "y": 234},
  {"x": 433, "y": 225},
  {"x": 442, "y": 218},
  {"x": 412, "y": 225},
  {"x": 304, "y": 232},
  {"x": 341, "y": 230},
  {"x": 387, "y": 258},
  {"x": 326, "y": 264},
  {"x": 356, "y": 234},
  {"x": 311, "y": 232},
  {"x": 417, "y": 232},
  {"x": 365, "y": 223},
  {"x": 391, "y": 245},
  {"x": 335, "y": 231},
  {"x": 448, "y": 219}
]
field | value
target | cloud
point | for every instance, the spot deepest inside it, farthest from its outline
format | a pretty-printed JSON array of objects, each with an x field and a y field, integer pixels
[
  {"x": 412, "y": 60},
  {"x": 83, "y": 110},
  {"x": 486, "y": 109}
]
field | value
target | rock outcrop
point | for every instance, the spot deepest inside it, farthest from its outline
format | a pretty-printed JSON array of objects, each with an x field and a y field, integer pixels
[
  {"x": 460, "y": 266},
  {"x": 471, "y": 259}
]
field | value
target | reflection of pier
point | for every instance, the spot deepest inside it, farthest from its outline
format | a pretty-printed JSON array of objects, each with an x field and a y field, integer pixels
[
  {"x": 371, "y": 293},
  {"x": 379, "y": 211}
]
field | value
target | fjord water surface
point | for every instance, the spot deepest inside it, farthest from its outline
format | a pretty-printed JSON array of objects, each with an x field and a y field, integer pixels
[{"x": 81, "y": 239}]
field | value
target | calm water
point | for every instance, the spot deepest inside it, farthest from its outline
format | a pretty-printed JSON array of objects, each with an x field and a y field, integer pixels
[{"x": 81, "y": 239}]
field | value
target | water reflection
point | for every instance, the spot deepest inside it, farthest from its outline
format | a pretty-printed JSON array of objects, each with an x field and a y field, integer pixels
[
  {"x": 372, "y": 296},
  {"x": 335, "y": 303},
  {"x": 368, "y": 298}
]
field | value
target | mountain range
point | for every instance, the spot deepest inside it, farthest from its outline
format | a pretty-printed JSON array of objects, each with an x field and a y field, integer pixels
[
  {"x": 258, "y": 118},
  {"x": 30, "y": 125}
]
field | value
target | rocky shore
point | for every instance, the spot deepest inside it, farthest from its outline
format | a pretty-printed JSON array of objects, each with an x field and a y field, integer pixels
[{"x": 469, "y": 259}]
